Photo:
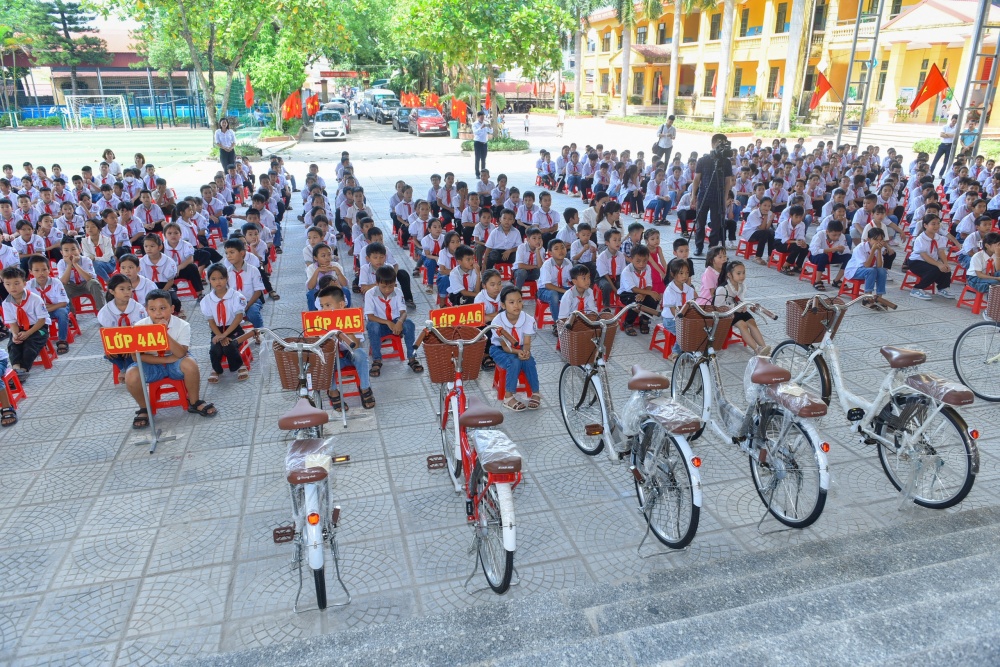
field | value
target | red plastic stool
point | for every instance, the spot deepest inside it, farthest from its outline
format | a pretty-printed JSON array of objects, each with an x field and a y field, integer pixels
[
  {"x": 626, "y": 208},
  {"x": 734, "y": 337},
  {"x": 159, "y": 390},
  {"x": 648, "y": 215},
  {"x": 851, "y": 287},
  {"x": 543, "y": 318},
  {"x": 811, "y": 272},
  {"x": 746, "y": 249},
  {"x": 500, "y": 383},
  {"x": 506, "y": 271},
  {"x": 185, "y": 288},
  {"x": 958, "y": 275},
  {"x": 348, "y": 376},
  {"x": 662, "y": 340},
  {"x": 14, "y": 389},
  {"x": 395, "y": 344},
  {"x": 47, "y": 354},
  {"x": 911, "y": 279},
  {"x": 529, "y": 292},
  {"x": 83, "y": 309},
  {"x": 245, "y": 353},
  {"x": 72, "y": 332},
  {"x": 974, "y": 300},
  {"x": 777, "y": 260}
]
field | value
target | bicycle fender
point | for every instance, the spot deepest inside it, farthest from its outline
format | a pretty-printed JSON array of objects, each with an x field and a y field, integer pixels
[
  {"x": 688, "y": 453},
  {"x": 824, "y": 464},
  {"x": 505, "y": 497},
  {"x": 313, "y": 534}
]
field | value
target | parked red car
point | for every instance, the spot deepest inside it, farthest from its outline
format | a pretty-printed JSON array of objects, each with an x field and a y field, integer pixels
[{"x": 427, "y": 120}]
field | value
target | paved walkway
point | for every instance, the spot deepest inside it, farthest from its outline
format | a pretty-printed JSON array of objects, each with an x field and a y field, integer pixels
[{"x": 110, "y": 556}]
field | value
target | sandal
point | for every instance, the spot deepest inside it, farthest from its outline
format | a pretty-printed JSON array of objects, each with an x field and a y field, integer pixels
[
  {"x": 7, "y": 417},
  {"x": 644, "y": 327},
  {"x": 213, "y": 378},
  {"x": 819, "y": 287},
  {"x": 367, "y": 399},
  {"x": 62, "y": 347},
  {"x": 630, "y": 331},
  {"x": 376, "y": 368},
  {"x": 760, "y": 260},
  {"x": 672, "y": 357},
  {"x": 835, "y": 283},
  {"x": 141, "y": 419},
  {"x": 488, "y": 363},
  {"x": 534, "y": 402},
  {"x": 336, "y": 404},
  {"x": 274, "y": 295},
  {"x": 513, "y": 404},
  {"x": 243, "y": 374},
  {"x": 202, "y": 408},
  {"x": 415, "y": 365}
]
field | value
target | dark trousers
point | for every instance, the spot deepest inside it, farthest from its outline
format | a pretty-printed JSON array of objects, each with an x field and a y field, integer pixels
[
  {"x": 608, "y": 284},
  {"x": 929, "y": 275},
  {"x": 943, "y": 150},
  {"x": 496, "y": 257},
  {"x": 685, "y": 216},
  {"x": 457, "y": 299},
  {"x": 796, "y": 254},
  {"x": 711, "y": 202},
  {"x": 403, "y": 278},
  {"x": 192, "y": 275},
  {"x": 823, "y": 259},
  {"x": 764, "y": 238},
  {"x": 480, "y": 149},
  {"x": 630, "y": 297},
  {"x": 231, "y": 352},
  {"x": 23, "y": 355}
]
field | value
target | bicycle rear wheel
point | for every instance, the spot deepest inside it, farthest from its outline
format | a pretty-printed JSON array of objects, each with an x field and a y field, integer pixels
[
  {"x": 581, "y": 408},
  {"x": 687, "y": 387},
  {"x": 786, "y": 471},
  {"x": 940, "y": 468},
  {"x": 666, "y": 495},
  {"x": 794, "y": 358},
  {"x": 977, "y": 359},
  {"x": 497, "y": 561}
]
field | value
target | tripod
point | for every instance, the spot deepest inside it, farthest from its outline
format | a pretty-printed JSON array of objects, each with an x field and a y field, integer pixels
[{"x": 717, "y": 208}]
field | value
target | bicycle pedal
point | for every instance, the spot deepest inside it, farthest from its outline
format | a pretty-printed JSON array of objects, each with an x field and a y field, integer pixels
[
  {"x": 855, "y": 414},
  {"x": 436, "y": 462},
  {"x": 594, "y": 429},
  {"x": 283, "y": 534},
  {"x": 335, "y": 517}
]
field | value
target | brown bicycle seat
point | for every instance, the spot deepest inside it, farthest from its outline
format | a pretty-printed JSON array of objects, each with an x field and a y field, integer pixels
[
  {"x": 938, "y": 388},
  {"x": 303, "y": 415},
  {"x": 300, "y": 449},
  {"x": 799, "y": 402},
  {"x": 901, "y": 357},
  {"x": 497, "y": 454},
  {"x": 479, "y": 415},
  {"x": 767, "y": 373},
  {"x": 307, "y": 475},
  {"x": 643, "y": 380}
]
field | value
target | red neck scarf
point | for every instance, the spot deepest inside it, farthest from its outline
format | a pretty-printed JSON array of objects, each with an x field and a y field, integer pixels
[
  {"x": 388, "y": 307},
  {"x": 23, "y": 322}
]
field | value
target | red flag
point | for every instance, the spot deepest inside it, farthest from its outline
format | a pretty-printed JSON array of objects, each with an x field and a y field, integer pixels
[
  {"x": 563, "y": 88},
  {"x": 489, "y": 105},
  {"x": 659, "y": 88},
  {"x": 822, "y": 88},
  {"x": 312, "y": 105},
  {"x": 715, "y": 82},
  {"x": 933, "y": 84},
  {"x": 292, "y": 106},
  {"x": 248, "y": 93},
  {"x": 534, "y": 89},
  {"x": 611, "y": 80}
]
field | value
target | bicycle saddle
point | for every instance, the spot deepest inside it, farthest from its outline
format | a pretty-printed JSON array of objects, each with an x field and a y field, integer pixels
[
  {"x": 303, "y": 415},
  {"x": 643, "y": 380},
  {"x": 901, "y": 357},
  {"x": 477, "y": 415},
  {"x": 767, "y": 373},
  {"x": 299, "y": 451}
]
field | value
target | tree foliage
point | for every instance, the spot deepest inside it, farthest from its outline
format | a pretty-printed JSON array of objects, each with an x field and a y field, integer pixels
[
  {"x": 61, "y": 33},
  {"x": 276, "y": 68}
]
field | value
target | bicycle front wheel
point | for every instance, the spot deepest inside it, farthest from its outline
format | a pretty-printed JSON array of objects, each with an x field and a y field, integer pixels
[
  {"x": 814, "y": 376},
  {"x": 687, "y": 387},
  {"x": 939, "y": 468},
  {"x": 581, "y": 408},
  {"x": 786, "y": 471},
  {"x": 497, "y": 561},
  {"x": 666, "y": 494},
  {"x": 977, "y": 359}
]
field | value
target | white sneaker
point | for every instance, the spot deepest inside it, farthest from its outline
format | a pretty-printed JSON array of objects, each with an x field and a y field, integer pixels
[
  {"x": 947, "y": 294},
  {"x": 920, "y": 294}
]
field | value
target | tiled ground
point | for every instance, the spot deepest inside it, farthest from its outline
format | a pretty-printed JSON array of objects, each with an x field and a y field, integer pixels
[{"x": 111, "y": 556}]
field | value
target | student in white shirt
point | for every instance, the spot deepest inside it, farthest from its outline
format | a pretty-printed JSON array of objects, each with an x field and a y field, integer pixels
[
  {"x": 867, "y": 263},
  {"x": 757, "y": 229},
  {"x": 984, "y": 267},
  {"x": 224, "y": 307},
  {"x": 26, "y": 317},
  {"x": 77, "y": 274},
  {"x": 385, "y": 313},
  {"x": 828, "y": 248},
  {"x": 637, "y": 287},
  {"x": 676, "y": 295},
  {"x": 245, "y": 278},
  {"x": 731, "y": 292},
  {"x": 554, "y": 278},
  {"x": 502, "y": 244},
  {"x": 528, "y": 258},
  {"x": 463, "y": 281},
  {"x": 972, "y": 243},
  {"x": 929, "y": 261},
  {"x": 610, "y": 264},
  {"x": 511, "y": 349}
]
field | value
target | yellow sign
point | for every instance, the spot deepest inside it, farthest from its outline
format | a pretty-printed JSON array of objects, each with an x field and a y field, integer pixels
[
  {"x": 129, "y": 340},
  {"x": 347, "y": 320},
  {"x": 472, "y": 315}
]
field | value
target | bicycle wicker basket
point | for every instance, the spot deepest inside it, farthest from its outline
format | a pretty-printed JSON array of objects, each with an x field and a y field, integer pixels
[
  {"x": 576, "y": 344},
  {"x": 993, "y": 304},
  {"x": 321, "y": 370},
  {"x": 809, "y": 328},
  {"x": 440, "y": 357},
  {"x": 691, "y": 325}
]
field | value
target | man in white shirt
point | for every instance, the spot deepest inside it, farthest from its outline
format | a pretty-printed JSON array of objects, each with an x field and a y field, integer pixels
[
  {"x": 481, "y": 131},
  {"x": 944, "y": 148}
]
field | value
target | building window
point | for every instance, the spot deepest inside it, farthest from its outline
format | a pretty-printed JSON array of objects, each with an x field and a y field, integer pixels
[
  {"x": 661, "y": 34},
  {"x": 637, "y": 83},
  {"x": 897, "y": 7},
  {"x": 744, "y": 22},
  {"x": 640, "y": 34},
  {"x": 606, "y": 42},
  {"x": 621, "y": 39},
  {"x": 819, "y": 17},
  {"x": 715, "y": 31},
  {"x": 883, "y": 72},
  {"x": 737, "y": 81},
  {"x": 872, "y": 7},
  {"x": 591, "y": 46},
  {"x": 772, "y": 83},
  {"x": 810, "y": 81},
  {"x": 780, "y": 25},
  {"x": 924, "y": 64},
  {"x": 709, "y": 79},
  {"x": 604, "y": 83}
]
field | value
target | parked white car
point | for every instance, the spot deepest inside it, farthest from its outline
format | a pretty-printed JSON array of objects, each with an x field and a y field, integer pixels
[{"x": 329, "y": 125}]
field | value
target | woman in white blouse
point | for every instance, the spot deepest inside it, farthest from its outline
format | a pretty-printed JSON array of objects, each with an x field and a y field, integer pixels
[{"x": 225, "y": 139}]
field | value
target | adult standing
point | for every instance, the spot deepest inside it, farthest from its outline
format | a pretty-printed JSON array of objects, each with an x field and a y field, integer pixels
[
  {"x": 713, "y": 178},
  {"x": 225, "y": 139},
  {"x": 561, "y": 119},
  {"x": 944, "y": 147},
  {"x": 665, "y": 136},
  {"x": 481, "y": 131}
]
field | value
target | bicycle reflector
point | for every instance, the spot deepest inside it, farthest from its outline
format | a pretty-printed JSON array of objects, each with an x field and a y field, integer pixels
[
  {"x": 825, "y": 446},
  {"x": 974, "y": 433},
  {"x": 313, "y": 518},
  {"x": 696, "y": 461},
  {"x": 595, "y": 429}
]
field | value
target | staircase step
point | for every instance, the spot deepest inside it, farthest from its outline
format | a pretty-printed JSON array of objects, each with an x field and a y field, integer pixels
[{"x": 980, "y": 650}]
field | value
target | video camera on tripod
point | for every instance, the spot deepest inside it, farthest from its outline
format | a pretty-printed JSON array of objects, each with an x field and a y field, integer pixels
[{"x": 724, "y": 149}]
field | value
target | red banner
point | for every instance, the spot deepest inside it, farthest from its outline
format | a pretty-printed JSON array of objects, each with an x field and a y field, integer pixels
[
  {"x": 248, "y": 93},
  {"x": 472, "y": 315},
  {"x": 347, "y": 320},
  {"x": 129, "y": 340},
  {"x": 338, "y": 74}
]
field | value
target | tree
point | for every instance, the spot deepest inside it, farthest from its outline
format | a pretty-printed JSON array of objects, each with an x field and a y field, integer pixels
[
  {"x": 625, "y": 11},
  {"x": 61, "y": 35},
  {"x": 722, "y": 89},
  {"x": 793, "y": 63},
  {"x": 682, "y": 7},
  {"x": 276, "y": 68},
  {"x": 578, "y": 10}
]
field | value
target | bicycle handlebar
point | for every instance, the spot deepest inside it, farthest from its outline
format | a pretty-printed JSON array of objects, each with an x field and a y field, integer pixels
[
  {"x": 487, "y": 329},
  {"x": 715, "y": 314},
  {"x": 300, "y": 346},
  {"x": 828, "y": 302},
  {"x": 601, "y": 322}
]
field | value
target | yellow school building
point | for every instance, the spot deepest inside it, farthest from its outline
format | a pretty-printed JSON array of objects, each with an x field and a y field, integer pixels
[{"x": 914, "y": 35}]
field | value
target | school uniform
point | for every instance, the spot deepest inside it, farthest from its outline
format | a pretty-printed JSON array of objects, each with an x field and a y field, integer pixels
[
  {"x": 533, "y": 259},
  {"x": 224, "y": 311},
  {"x": 416, "y": 228},
  {"x": 447, "y": 199},
  {"x": 820, "y": 253},
  {"x": 589, "y": 256},
  {"x": 102, "y": 254},
  {"x": 25, "y": 314},
  {"x": 785, "y": 237},
  {"x": 33, "y": 246},
  {"x": 151, "y": 218},
  {"x": 555, "y": 274},
  {"x": 500, "y": 242},
  {"x": 76, "y": 285},
  {"x": 50, "y": 207},
  {"x": 572, "y": 301},
  {"x": 676, "y": 297},
  {"x": 52, "y": 293},
  {"x": 972, "y": 244},
  {"x": 180, "y": 331},
  {"x": 461, "y": 281},
  {"x": 984, "y": 263},
  {"x": 631, "y": 280},
  {"x": 247, "y": 281},
  {"x": 513, "y": 365},
  {"x": 387, "y": 308},
  {"x": 431, "y": 246},
  {"x": 928, "y": 273},
  {"x": 652, "y": 201},
  {"x": 525, "y": 217},
  {"x": 69, "y": 226},
  {"x": 566, "y": 234},
  {"x": 609, "y": 271},
  {"x": 874, "y": 275}
]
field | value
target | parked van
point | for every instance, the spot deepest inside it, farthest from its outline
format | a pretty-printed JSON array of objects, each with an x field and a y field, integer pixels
[{"x": 370, "y": 97}]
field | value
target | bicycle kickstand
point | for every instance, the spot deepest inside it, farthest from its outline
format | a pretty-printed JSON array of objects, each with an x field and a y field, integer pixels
[
  {"x": 645, "y": 536},
  {"x": 474, "y": 552},
  {"x": 767, "y": 513}
]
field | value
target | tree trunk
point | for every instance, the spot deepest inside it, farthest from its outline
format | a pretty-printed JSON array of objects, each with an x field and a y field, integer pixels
[
  {"x": 578, "y": 79},
  {"x": 225, "y": 93},
  {"x": 278, "y": 112},
  {"x": 722, "y": 88},
  {"x": 675, "y": 50},
  {"x": 626, "y": 66},
  {"x": 207, "y": 83},
  {"x": 796, "y": 39},
  {"x": 555, "y": 93},
  {"x": 494, "y": 105},
  {"x": 72, "y": 78}
]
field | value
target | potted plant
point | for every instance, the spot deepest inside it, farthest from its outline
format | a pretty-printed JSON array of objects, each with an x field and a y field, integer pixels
[{"x": 902, "y": 110}]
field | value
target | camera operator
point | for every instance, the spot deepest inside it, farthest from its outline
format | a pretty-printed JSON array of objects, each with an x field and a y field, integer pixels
[{"x": 713, "y": 178}]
